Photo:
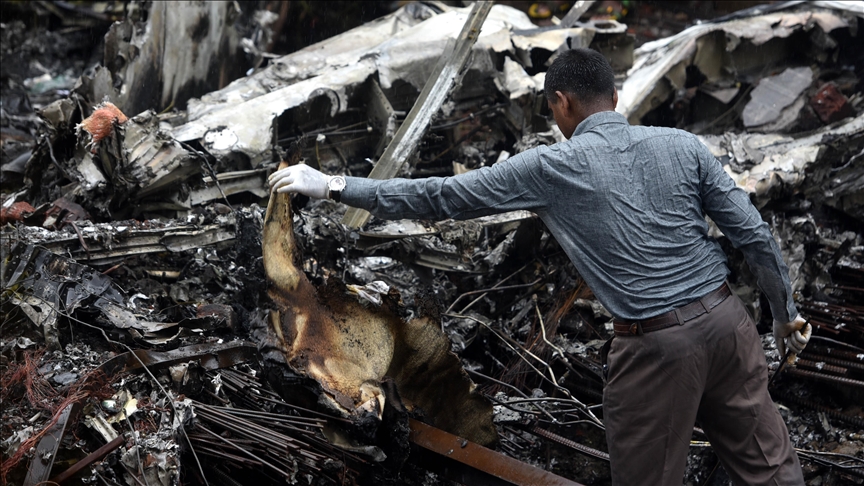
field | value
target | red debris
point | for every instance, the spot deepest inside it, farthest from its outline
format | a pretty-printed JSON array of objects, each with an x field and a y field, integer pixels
[
  {"x": 16, "y": 212},
  {"x": 830, "y": 104},
  {"x": 101, "y": 123}
]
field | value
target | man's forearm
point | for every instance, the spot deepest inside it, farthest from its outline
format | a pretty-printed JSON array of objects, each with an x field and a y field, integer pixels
[
  {"x": 772, "y": 276},
  {"x": 751, "y": 235},
  {"x": 730, "y": 208},
  {"x": 395, "y": 198},
  {"x": 517, "y": 183}
]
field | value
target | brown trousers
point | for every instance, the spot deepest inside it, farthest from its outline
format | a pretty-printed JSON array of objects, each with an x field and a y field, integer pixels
[{"x": 713, "y": 369}]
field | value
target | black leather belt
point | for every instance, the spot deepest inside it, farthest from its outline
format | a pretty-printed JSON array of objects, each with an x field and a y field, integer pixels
[{"x": 674, "y": 317}]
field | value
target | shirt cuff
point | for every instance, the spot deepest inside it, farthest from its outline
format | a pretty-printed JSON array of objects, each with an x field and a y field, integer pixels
[{"x": 360, "y": 192}]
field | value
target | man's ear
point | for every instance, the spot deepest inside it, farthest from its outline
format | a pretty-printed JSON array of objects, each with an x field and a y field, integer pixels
[
  {"x": 615, "y": 98},
  {"x": 563, "y": 102}
]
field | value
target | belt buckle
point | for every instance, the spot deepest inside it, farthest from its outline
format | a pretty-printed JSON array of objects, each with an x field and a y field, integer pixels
[{"x": 636, "y": 329}]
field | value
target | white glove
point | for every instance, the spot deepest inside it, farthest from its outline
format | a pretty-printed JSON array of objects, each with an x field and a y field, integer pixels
[
  {"x": 795, "y": 333},
  {"x": 301, "y": 179}
]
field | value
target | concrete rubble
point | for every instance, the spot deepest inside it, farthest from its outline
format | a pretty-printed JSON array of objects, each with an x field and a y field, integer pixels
[{"x": 160, "y": 326}]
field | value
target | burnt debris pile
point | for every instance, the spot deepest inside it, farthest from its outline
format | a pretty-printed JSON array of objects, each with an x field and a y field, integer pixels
[{"x": 166, "y": 321}]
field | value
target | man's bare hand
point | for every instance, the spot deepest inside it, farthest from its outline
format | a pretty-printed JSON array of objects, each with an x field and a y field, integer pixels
[
  {"x": 301, "y": 179},
  {"x": 795, "y": 334}
]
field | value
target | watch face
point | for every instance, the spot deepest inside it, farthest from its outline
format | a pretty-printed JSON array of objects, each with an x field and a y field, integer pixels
[{"x": 337, "y": 183}]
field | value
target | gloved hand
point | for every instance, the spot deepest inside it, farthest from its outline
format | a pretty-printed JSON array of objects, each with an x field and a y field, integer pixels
[
  {"x": 301, "y": 179},
  {"x": 795, "y": 333}
]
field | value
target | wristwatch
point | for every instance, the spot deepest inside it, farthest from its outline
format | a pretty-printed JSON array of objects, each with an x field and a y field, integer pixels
[{"x": 334, "y": 187}]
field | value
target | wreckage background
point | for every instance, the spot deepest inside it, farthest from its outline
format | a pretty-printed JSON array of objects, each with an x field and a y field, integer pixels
[{"x": 206, "y": 274}]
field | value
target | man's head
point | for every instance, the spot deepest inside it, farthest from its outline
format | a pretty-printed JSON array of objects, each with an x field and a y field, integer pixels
[{"x": 579, "y": 83}]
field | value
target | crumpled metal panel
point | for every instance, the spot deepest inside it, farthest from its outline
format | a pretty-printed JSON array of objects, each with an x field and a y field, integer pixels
[
  {"x": 655, "y": 61},
  {"x": 45, "y": 285}
]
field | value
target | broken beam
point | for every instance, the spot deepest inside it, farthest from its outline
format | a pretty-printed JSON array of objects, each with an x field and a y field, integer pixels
[
  {"x": 442, "y": 79},
  {"x": 46, "y": 451},
  {"x": 576, "y": 11},
  {"x": 129, "y": 241},
  {"x": 506, "y": 469},
  {"x": 89, "y": 460}
]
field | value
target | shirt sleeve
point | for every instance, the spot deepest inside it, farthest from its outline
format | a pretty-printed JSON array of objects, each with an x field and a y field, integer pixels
[
  {"x": 516, "y": 183},
  {"x": 730, "y": 208}
]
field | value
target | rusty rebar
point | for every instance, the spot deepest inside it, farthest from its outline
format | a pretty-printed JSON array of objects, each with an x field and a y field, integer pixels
[
  {"x": 506, "y": 439},
  {"x": 305, "y": 410},
  {"x": 272, "y": 417},
  {"x": 824, "y": 377},
  {"x": 821, "y": 366},
  {"x": 244, "y": 451},
  {"x": 249, "y": 429},
  {"x": 264, "y": 433},
  {"x": 824, "y": 327},
  {"x": 207, "y": 451},
  {"x": 846, "y": 354},
  {"x": 834, "y": 361},
  {"x": 569, "y": 443}
]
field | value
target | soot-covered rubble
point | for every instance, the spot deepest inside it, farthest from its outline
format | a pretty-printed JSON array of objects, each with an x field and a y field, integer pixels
[{"x": 160, "y": 327}]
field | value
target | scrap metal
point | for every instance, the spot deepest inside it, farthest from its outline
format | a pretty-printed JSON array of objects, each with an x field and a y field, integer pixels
[
  {"x": 46, "y": 287},
  {"x": 108, "y": 243},
  {"x": 512, "y": 298}
]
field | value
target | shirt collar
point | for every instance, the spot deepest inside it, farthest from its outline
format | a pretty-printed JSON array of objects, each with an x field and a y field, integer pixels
[{"x": 600, "y": 118}]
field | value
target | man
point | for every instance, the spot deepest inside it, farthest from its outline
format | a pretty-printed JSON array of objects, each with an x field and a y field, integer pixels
[{"x": 627, "y": 204}]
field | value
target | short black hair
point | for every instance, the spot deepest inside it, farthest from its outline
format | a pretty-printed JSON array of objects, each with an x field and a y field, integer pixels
[{"x": 582, "y": 72}]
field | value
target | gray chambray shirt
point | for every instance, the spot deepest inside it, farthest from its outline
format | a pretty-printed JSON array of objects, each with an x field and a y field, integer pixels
[{"x": 627, "y": 205}]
